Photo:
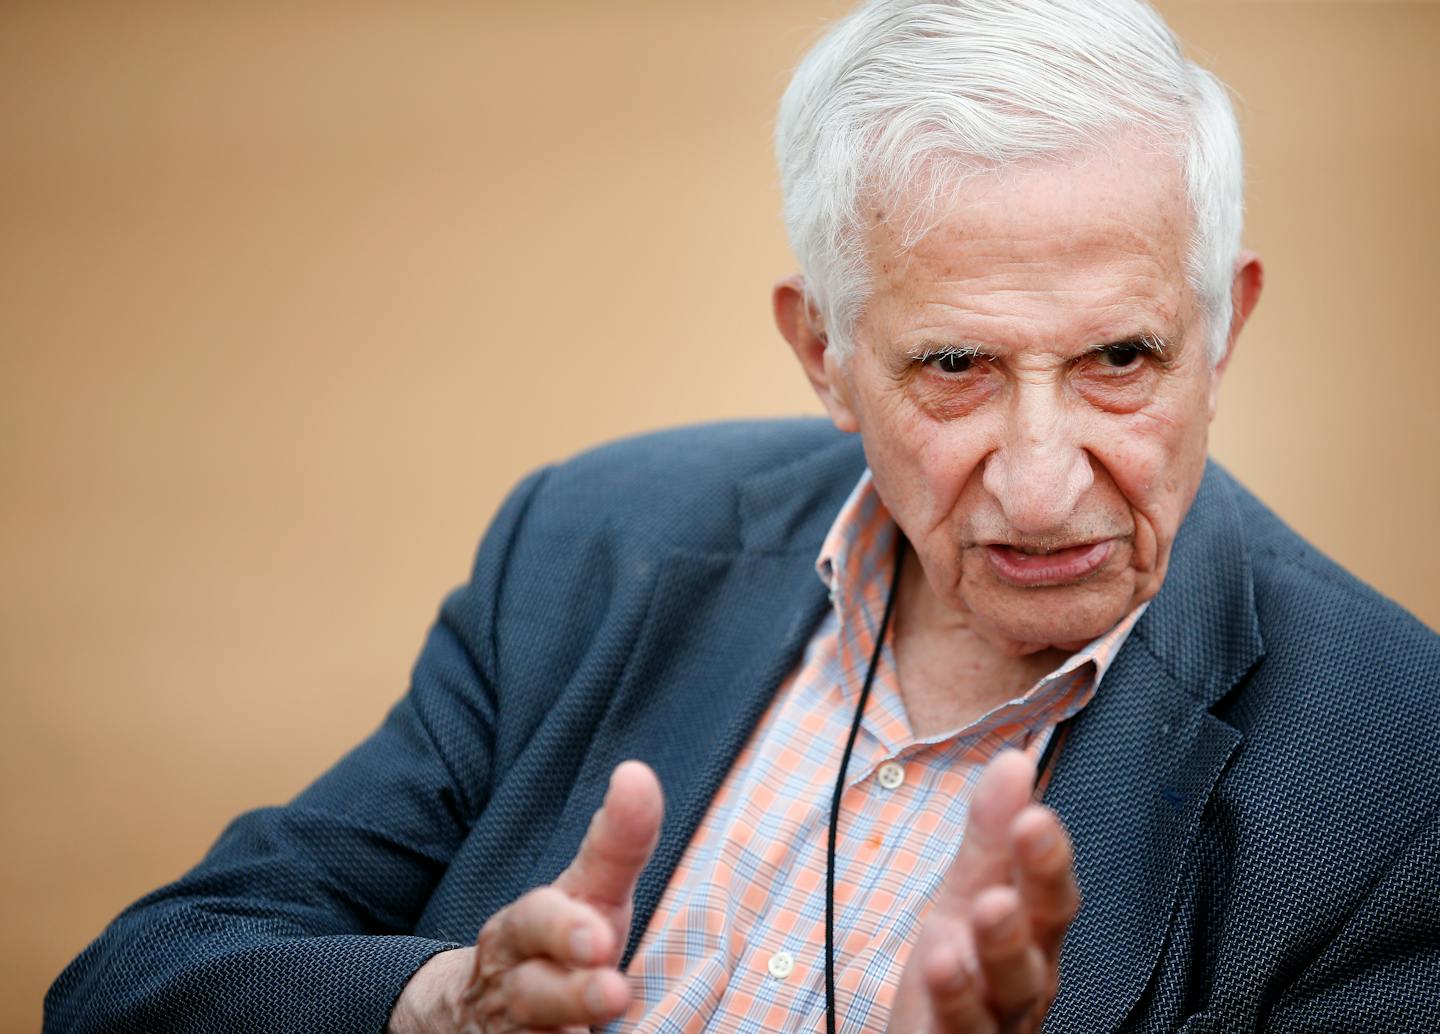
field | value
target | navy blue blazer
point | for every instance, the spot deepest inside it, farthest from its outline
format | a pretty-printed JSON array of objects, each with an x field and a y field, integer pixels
[{"x": 1252, "y": 793}]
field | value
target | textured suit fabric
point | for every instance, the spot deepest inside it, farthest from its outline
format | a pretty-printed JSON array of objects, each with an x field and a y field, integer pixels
[{"x": 1253, "y": 793}]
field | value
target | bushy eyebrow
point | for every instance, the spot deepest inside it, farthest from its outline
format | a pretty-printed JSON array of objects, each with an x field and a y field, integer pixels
[
  {"x": 1161, "y": 347},
  {"x": 928, "y": 350}
]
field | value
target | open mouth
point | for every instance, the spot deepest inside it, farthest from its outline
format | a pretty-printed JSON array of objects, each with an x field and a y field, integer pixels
[{"x": 1029, "y": 568}]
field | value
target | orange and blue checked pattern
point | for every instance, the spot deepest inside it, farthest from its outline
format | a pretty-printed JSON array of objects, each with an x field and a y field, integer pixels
[{"x": 737, "y": 941}]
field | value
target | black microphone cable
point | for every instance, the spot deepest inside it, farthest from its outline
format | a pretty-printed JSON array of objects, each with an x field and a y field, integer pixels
[{"x": 840, "y": 786}]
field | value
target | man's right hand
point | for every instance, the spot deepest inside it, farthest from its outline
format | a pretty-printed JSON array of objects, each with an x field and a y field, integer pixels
[{"x": 549, "y": 960}]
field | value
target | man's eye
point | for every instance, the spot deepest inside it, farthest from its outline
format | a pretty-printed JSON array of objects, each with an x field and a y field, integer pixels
[
  {"x": 952, "y": 362},
  {"x": 1118, "y": 357}
]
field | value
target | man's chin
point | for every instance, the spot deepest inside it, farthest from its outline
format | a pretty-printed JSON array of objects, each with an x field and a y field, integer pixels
[{"x": 1061, "y": 616}]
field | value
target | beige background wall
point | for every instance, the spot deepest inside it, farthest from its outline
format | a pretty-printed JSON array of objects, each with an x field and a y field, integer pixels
[{"x": 291, "y": 292}]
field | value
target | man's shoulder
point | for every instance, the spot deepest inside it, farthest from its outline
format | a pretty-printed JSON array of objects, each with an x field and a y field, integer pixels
[
  {"x": 684, "y": 485},
  {"x": 732, "y": 448},
  {"x": 1309, "y": 604},
  {"x": 1344, "y": 688},
  {"x": 728, "y": 448}
]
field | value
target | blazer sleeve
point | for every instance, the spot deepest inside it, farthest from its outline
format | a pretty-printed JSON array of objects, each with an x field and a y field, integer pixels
[
  {"x": 298, "y": 918},
  {"x": 1380, "y": 972}
]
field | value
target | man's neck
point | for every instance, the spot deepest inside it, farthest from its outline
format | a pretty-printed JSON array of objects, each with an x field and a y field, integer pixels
[{"x": 949, "y": 674}]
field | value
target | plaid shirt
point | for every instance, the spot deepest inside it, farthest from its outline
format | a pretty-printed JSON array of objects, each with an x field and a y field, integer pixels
[{"x": 738, "y": 938}]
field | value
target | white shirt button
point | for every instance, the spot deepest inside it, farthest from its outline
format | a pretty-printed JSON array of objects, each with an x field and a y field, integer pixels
[
  {"x": 891, "y": 775},
  {"x": 781, "y": 965}
]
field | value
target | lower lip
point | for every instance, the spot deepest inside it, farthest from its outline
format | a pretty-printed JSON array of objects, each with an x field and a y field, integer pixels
[{"x": 1058, "y": 568}]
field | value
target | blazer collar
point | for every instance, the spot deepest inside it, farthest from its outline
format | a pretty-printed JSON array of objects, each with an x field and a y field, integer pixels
[
  {"x": 790, "y": 508},
  {"x": 1202, "y": 624}
]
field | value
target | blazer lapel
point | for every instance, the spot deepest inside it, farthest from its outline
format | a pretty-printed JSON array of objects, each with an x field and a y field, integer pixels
[
  {"x": 765, "y": 609},
  {"x": 721, "y": 633},
  {"x": 1142, "y": 760},
  {"x": 764, "y": 605}
]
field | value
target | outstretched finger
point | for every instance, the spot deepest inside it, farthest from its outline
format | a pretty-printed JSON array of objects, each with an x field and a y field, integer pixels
[
  {"x": 1045, "y": 875},
  {"x": 620, "y": 840},
  {"x": 984, "y": 859}
]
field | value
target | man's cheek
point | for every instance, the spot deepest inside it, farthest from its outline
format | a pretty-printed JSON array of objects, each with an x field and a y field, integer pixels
[
  {"x": 1144, "y": 465},
  {"x": 950, "y": 462},
  {"x": 944, "y": 508},
  {"x": 1157, "y": 520}
]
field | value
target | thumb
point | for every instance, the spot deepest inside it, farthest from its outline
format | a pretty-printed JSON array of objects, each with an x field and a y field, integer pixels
[
  {"x": 620, "y": 840},
  {"x": 1006, "y": 786}
]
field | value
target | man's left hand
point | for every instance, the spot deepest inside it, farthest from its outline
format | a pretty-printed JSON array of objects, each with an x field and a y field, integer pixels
[{"x": 987, "y": 961}]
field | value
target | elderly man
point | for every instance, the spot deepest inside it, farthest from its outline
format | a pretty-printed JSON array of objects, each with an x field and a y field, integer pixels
[{"x": 1019, "y": 224}]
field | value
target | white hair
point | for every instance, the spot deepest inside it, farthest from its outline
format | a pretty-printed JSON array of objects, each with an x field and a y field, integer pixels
[{"x": 901, "y": 100}]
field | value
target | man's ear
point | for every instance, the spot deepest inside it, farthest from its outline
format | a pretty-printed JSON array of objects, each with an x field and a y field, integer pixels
[
  {"x": 1244, "y": 294},
  {"x": 800, "y": 324}
]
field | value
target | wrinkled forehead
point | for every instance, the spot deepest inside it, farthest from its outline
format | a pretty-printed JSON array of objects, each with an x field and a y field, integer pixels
[
  {"x": 1132, "y": 194},
  {"x": 1057, "y": 244}
]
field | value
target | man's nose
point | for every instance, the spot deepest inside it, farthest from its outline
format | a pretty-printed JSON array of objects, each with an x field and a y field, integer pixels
[{"x": 1040, "y": 470}]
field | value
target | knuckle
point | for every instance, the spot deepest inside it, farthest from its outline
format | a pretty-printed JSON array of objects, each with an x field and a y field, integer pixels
[
  {"x": 512, "y": 1001},
  {"x": 507, "y": 932},
  {"x": 491, "y": 936},
  {"x": 512, "y": 932},
  {"x": 1022, "y": 991},
  {"x": 514, "y": 1008}
]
